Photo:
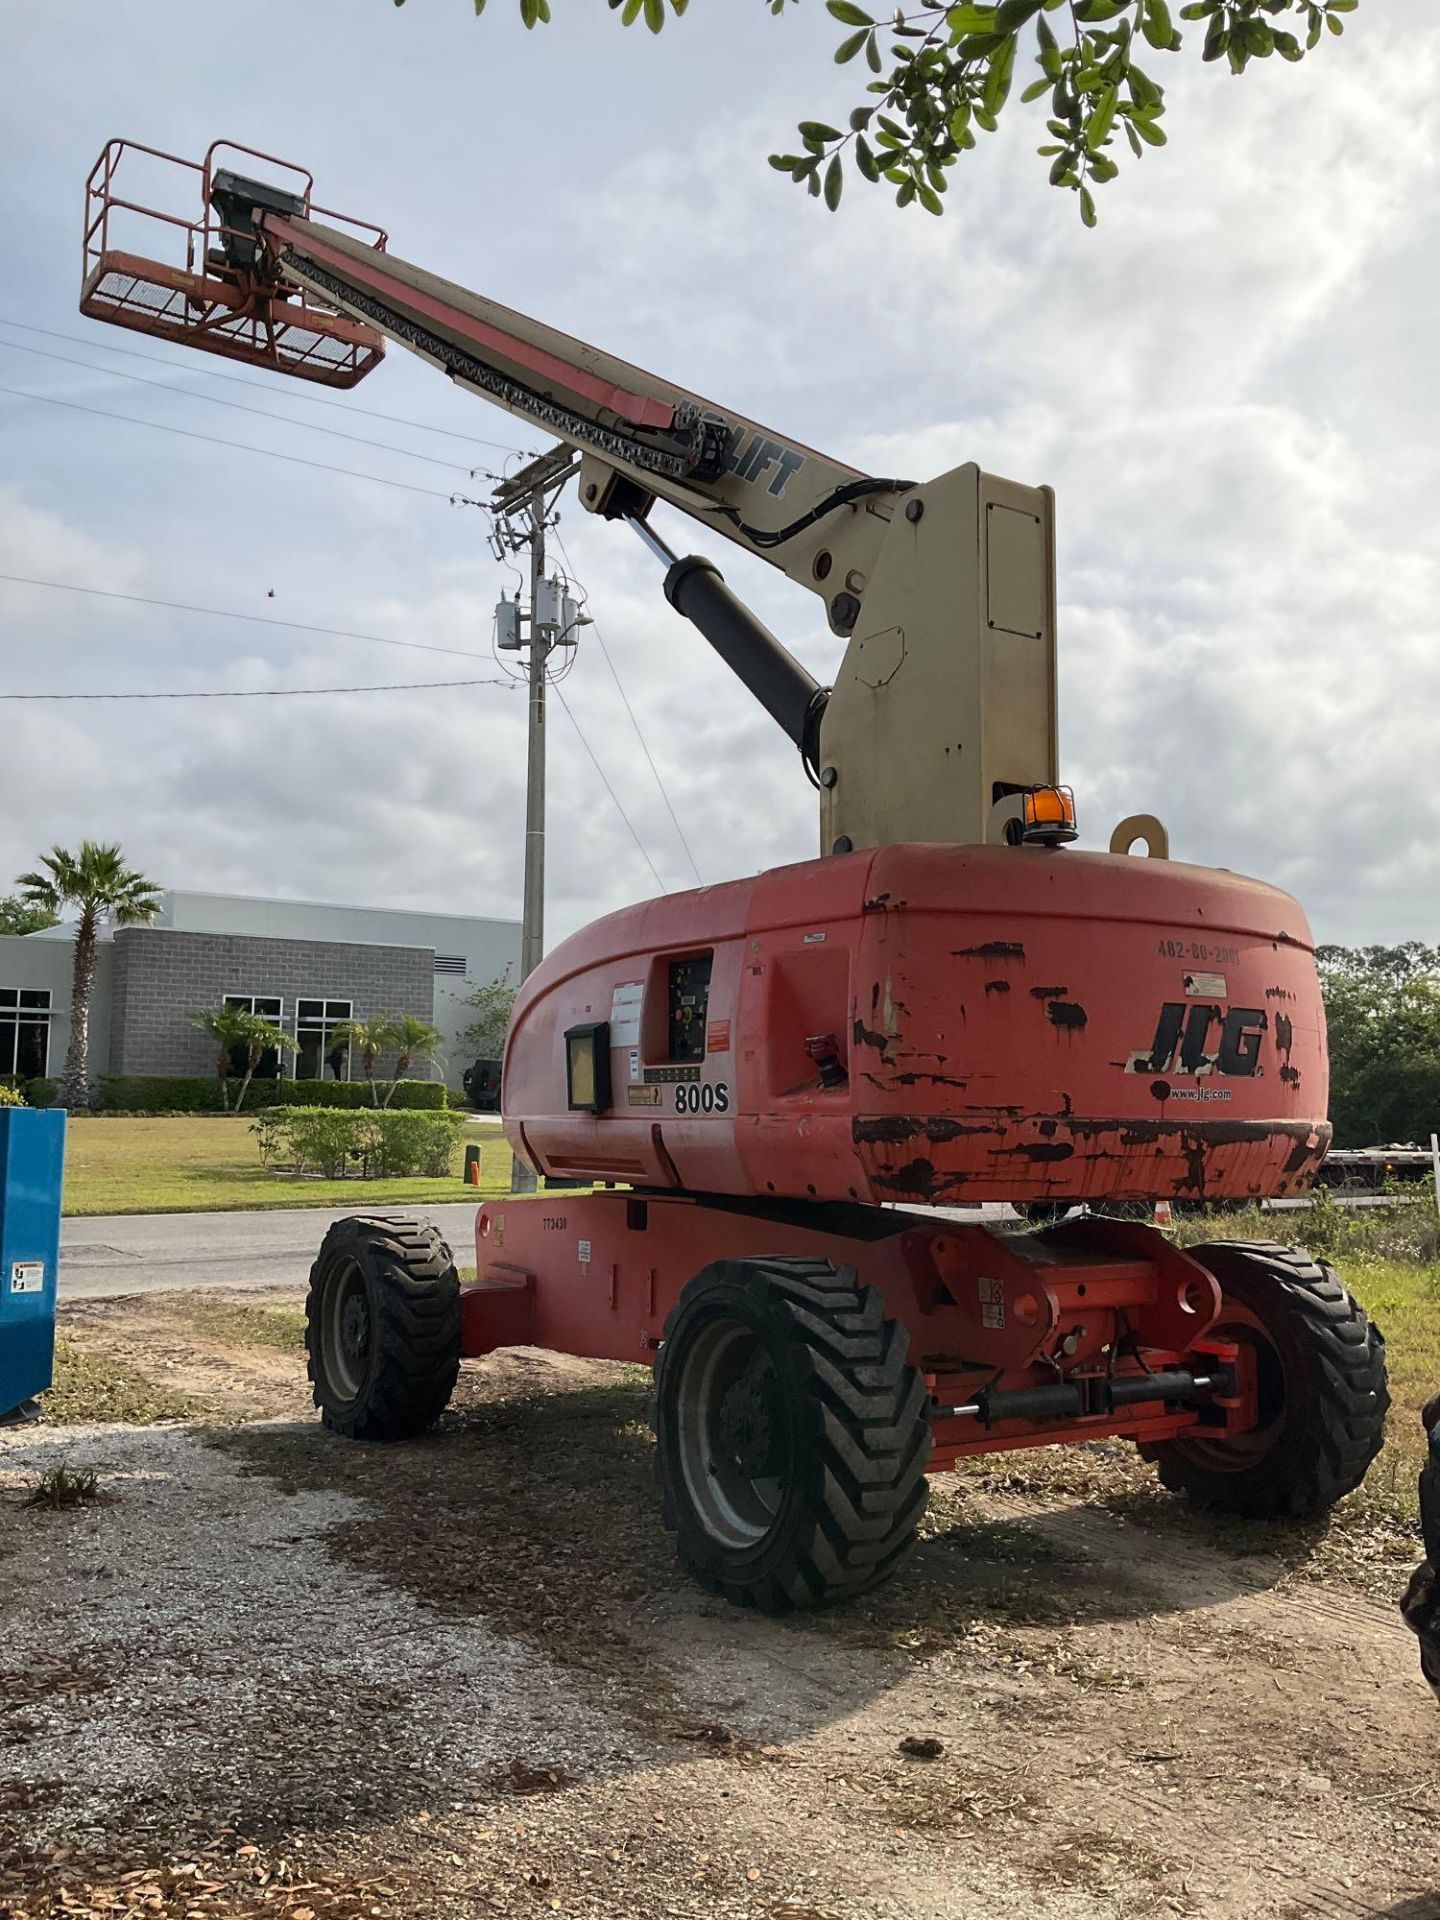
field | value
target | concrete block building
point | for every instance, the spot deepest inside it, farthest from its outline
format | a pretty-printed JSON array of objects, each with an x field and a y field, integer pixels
[{"x": 305, "y": 966}]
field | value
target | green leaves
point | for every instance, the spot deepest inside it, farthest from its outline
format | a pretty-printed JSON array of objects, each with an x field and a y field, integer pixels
[
  {"x": 1156, "y": 25},
  {"x": 947, "y": 72}
]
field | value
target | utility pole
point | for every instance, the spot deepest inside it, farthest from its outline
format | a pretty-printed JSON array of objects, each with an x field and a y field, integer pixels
[
  {"x": 529, "y": 493},
  {"x": 532, "y": 925}
]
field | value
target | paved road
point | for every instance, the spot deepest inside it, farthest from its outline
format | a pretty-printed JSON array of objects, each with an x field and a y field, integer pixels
[
  {"x": 112, "y": 1254},
  {"x": 151, "y": 1252}
]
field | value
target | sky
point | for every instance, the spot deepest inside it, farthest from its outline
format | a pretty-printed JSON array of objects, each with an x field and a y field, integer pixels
[{"x": 1230, "y": 384}]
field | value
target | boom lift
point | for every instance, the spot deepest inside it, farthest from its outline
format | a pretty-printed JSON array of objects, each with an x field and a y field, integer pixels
[{"x": 780, "y": 1083}]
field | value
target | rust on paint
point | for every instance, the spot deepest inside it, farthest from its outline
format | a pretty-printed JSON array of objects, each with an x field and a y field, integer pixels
[
  {"x": 997, "y": 986},
  {"x": 992, "y": 950}
]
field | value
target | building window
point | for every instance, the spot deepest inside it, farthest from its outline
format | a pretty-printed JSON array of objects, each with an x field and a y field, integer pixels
[
  {"x": 25, "y": 1032},
  {"x": 320, "y": 1055},
  {"x": 451, "y": 963},
  {"x": 270, "y": 1007}
]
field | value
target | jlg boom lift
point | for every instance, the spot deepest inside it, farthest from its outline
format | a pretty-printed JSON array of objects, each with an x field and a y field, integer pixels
[{"x": 779, "y": 1083}]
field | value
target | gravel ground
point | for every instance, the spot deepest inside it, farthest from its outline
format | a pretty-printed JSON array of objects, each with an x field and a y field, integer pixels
[
  {"x": 268, "y": 1673},
  {"x": 218, "y": 1626}
]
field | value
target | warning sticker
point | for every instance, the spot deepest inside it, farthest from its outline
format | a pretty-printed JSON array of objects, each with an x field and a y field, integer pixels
[
  {"x": 27, "y": 1276},
  {"x": 717, "y": 1037},
  {"x": 992, "y": 1303},
  {"x": 1206, "y": 986},
  {"x": 625, "y": 1013},
  {"x": 642, "y": 1096},
  {"x": 584, "y": 1253}
]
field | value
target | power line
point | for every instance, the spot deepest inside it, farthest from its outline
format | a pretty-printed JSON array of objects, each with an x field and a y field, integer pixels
[
  {"x": 644, "y": 748},
  {"x": 238, "y": 406},
  {"x": 227, "y": 613},
  {"x": 259, "y": 693},
  {"x": 565, "y": 705},
  {"x": 338, "y": 633},
  {"x": 260, "y": 386},
  {"x": 239, "y": 446}
]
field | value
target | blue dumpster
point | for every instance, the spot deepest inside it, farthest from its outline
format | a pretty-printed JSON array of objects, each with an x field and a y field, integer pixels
[{"x": 32, "y": 1157}]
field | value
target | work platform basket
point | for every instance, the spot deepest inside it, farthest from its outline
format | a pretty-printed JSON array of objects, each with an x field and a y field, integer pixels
[{"x": 140, "y": 203}]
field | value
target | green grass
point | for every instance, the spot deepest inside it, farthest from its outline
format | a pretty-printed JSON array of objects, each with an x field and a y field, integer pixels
[
  {"x": 65, "y": 1486},
  {"x": 198, "y": 1163},
  {"x": 237, "y": 1325},
  {"x": 88, "y": 1388}
]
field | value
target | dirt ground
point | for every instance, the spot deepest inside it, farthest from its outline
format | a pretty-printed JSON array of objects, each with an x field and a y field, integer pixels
[{"x": 267, "y": 1672}]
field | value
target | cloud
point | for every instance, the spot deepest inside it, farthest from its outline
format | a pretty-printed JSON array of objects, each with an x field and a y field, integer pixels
[{"x": 1228, "y": 384}]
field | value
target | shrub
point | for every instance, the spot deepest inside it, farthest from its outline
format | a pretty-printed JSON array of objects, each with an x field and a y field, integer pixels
[
  {"x": 149, "y": 1093},
  {"x": 34, "y": 1093},
  {"x": 181, "y": 1093},
  {"x": 418, "y": 1143},
  {"x": 11, "y": 1097},
  {"x": 376, "y": 1144},
  {"x": 415, "y": 1095},
  {"x": 325, "y": 1140}
]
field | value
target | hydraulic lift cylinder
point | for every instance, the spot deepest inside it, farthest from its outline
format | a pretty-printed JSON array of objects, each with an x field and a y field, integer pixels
[{"x": 696, "y": 588}]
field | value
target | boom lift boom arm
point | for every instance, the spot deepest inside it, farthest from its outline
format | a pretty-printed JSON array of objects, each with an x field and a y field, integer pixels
[{"x": 944, "y": 705}]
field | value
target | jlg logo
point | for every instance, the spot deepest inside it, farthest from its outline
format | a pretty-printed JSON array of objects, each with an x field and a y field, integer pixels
[{"x": 1182, "y": 1039}]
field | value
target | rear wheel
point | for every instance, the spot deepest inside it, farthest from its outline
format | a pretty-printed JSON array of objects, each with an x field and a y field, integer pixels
[
  {"x": 382, "y": 1327},
  {"x": 793, "y": 1434},
  {"x": 1320, "y": 1367}
]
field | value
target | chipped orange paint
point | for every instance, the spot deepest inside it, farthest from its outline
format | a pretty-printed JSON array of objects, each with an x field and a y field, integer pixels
[{"x": 1015, "y": 1024}]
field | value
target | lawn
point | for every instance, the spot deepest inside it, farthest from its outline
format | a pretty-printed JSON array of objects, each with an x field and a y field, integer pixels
[{"x": 196, "y": 1163}]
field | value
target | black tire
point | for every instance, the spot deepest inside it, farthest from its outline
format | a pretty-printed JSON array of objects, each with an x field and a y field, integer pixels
[
  {"x": 382, "y": 1327},
  {"x": 1323, "y": 1391},
  {"x": 793, "y": 1434}
]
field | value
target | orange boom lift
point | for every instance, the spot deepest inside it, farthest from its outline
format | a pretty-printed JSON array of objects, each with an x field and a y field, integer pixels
[{"x": 790, "y": 1086}]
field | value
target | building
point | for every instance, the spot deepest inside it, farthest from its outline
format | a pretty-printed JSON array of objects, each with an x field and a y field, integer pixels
[{"x": 306, "y": 967}]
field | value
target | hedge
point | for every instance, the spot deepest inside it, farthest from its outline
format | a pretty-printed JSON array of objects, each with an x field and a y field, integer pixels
[
  {"x": 163, "y": 1093},
  {"x": 35, "y": 1093},
  {"x": 378, "y": 1145}
]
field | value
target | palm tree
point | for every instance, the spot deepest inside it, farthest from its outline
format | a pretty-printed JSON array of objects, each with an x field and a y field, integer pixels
[
  {"x": 262, "y": 1037},
  {"x": 412, "y": 1040},
  {"x": 368, "y": 1038},
  {"x": 98, "y": 882},
  {"x": 238, "y": 1030},
  {"x": 229, "y": 1028}
]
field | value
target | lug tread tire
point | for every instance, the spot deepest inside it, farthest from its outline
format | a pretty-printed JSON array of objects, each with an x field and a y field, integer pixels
[
  {"x": 862, "y": 1437},
  {"x": 1334, "y": 1425},
  {"x": 414, "y": 1298}
]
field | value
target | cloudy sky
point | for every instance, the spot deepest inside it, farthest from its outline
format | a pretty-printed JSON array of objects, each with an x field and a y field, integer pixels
[{"x": 1230, "y": 384}]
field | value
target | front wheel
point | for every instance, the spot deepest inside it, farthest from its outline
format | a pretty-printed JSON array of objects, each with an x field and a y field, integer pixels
[
  {"x": 1320, "y": 1367},
  {"x": 382, "y": 1327},
  {"x": 792, "y": 1433}
]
